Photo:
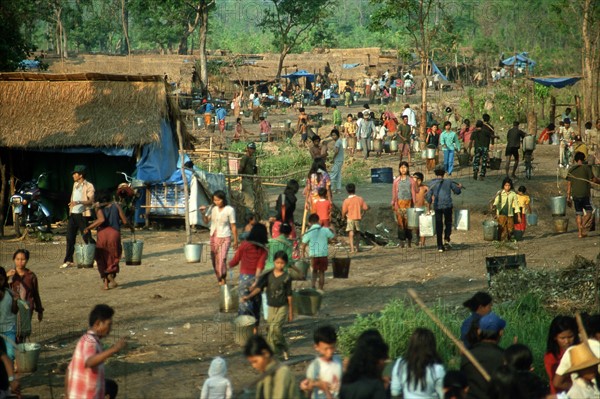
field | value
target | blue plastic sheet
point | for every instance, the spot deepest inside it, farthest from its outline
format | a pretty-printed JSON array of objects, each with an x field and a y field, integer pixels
[
  {"x": 300, "y": 74},
  {"x": 158, "y": 160},
  {"x": 349, "y": 66},
  {"x": 520, "y": 59},
  {"x": 558, "y": 82}
]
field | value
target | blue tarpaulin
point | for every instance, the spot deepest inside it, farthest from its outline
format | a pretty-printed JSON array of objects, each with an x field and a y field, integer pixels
[
  {"x": 558, "y": 82},
  {"x": 437, "y": 70},
  {"x": 349, "y": 66},
  {"x": 300, "y": 74},
  {"x": 110, "y": 151},
  {"x": 158, "y": 160},
  {"x": 522, "y": 60}
]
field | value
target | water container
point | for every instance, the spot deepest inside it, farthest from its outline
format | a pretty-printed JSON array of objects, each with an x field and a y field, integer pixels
[
  {"x": 427, "y": 225},
  {"x": 412, "y": 215},
  {"x": 243, "y": 329},
  {"x": 132, "y": 250},
  {"x": 430, "y": 153},
  {"x": 303, "y": 267},
  {"x": 359, "y": 145},
  {"x": 84, "y": 255},
  {"x": 228, "y": 299},
  {"x": 461, "y": 219},
  {"x": 344, "y": 143},
  {"x": 378, "y": 145},
  {"x": 463, "y": 159},
  {"x": 193, "y": 252},
  {"x": 394, "y": 145},
  {"x": 529, "y": 143},
  {"x": 309, "y": 301},
  {"x": 341, "y": 267},
  {"x": 382, "y": 175},
  {"x": 558, "y": 205},
  {"x": 561, "y": 224},
  {"x": 490, "y": 230},
  {"x": 27, "y": 355},
  {"x": 532, "y": 219}
]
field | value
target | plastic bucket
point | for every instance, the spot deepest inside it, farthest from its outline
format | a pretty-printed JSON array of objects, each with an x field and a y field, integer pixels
[
  {"x": 558, "y": 205},
  {"x": 27, "y": 356},
  {"x": 462, "y": 219},
  {"x": 532, "y": 219},
  {"x": 427, "y": 225},
  {"x": 309, "y": 301},
  {"x": 341, "y": 267},
  {"x": 193, "y": 252},
  {"x": 132, "y": 249},
  {"x": 529, "y": 143},
  {"x": 243, "y": 329},
  {"x": 490, "y": 230},
  {"x": 495, "y": 163},
  {"x": 412, "y": 215},
  {"x": 463, "y": 159},
  {"x": 303, "y": 267},
  {"x": 382, "y": 175},
  {"x": 344, "y": 143},
  {"x": 561, "y": 225},
  {"x": 359, "y": 145},
  {"x": 247, "y": 113},
  {"x": 228, "y": 299},
  {"x": 84, "y": 255},
  {"x": 394, "y": 145}
]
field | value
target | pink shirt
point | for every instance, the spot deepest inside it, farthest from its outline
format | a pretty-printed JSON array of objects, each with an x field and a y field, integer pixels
[{"x": 86, "y": 382}]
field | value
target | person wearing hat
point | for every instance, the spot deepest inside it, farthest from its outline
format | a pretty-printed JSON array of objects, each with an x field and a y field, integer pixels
[
  {"x": 488, "y": 354},
  {"x": 248, "y": 167},
  {"x": 82, "y": 199},
  {"x": 585, "y": 364},
  {"x": 440, "y": 196}
]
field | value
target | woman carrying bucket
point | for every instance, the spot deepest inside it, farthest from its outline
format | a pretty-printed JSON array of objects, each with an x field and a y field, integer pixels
[
  {"x": 404, "y": 193},
  {"x": 109, "y": 217},
  {"x": 222, "y": 228}
]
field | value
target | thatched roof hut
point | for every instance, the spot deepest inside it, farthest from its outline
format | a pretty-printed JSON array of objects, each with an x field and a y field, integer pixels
[{"x": 43, "y": 111}]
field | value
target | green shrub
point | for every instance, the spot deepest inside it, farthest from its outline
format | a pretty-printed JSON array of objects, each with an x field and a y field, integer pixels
[{"x": 526, "y": 318}]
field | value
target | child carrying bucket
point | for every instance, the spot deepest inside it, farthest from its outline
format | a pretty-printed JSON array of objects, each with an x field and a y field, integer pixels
[
  {"x": 524, "y": 208},
  {"x": 507, "y": 207}
]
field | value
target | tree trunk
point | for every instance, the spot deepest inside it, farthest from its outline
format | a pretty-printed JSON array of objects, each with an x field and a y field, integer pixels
[
  {"x": 282, "y": 55},
  {"x": 202, "y": 35},
  {"x": 183, "y": 45},
  {"x": 125, "y": 48},
  {"x": 586, "y": 64},
  {"x": 423, "y": 122}
]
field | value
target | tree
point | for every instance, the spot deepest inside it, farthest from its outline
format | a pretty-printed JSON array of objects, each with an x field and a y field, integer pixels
[
  {"x": 415, "y": 17},
  {"x": 290, "y": 22},
  {"x": 205, "y": 6},
  {"x": 14, "y": 45}
]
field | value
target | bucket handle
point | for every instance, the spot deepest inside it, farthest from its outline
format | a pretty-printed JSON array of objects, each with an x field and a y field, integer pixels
[{"x": 345, "y": 250}]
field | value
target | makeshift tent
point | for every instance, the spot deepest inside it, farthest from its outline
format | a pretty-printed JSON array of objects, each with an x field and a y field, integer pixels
[
  {"x": 310, "y": 77},
  {"x": 557, "y": 82},
  {"x": 520, "y": 61},
  {"x": 434, "y": 67},
  {"x": 51, "y": 122}
]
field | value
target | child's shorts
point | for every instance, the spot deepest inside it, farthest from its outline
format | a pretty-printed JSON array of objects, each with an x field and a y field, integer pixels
[
  {"x": 319, "y": 264},
  {"x": 304, "y": 137},
  {"x": 353, "y": 225}
]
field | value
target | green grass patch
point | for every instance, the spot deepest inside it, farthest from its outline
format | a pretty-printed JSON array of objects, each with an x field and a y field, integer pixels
[{"x": 526, "y": 319}]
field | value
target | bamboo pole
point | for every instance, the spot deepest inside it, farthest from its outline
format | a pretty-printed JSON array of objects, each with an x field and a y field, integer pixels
[
  {"x": 449, "y": 334},
  {"x": 210, "y": 155},
  {"x": 186, "y": 191}
]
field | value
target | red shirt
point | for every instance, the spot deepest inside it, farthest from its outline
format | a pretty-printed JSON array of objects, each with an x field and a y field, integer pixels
[
  {"x": 551, "y": 363},
  {"x": 251, "y": 257},
  {"x": 86, "y": 382},
  {"x": 323, "y": 209}
]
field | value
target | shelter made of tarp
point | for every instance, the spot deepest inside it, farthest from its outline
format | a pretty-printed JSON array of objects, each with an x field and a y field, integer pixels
[
  {"x": 558, "y": 82},
  {"x": 302, "y": 73},
  {"x": 520, "y": 60}
]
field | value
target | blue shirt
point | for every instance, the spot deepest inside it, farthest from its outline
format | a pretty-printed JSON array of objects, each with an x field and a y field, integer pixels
[
  {"x": 209, "y": 108},
  {"x": 221, "y": 113},
  {"x": 442, "y": 190},
  {"x": 449, "y": 141},
  {"x": 464, "y": 329},
  {"x": 317, "y": 238}
]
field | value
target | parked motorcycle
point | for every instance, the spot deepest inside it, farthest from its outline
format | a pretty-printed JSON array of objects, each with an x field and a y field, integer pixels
[{"x": 28, "y": 211}]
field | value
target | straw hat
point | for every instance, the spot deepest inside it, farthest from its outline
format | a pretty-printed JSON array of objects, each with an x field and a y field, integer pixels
[{"x": 582, "y": 357}]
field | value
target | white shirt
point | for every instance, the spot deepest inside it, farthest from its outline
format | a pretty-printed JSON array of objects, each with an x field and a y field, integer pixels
[
  {"x": 381, "y": 132},
  {"x": 330, "y": 372},
  {"x": 221, "y": 220},
  {"x": 327, "y": 94},
  {"x": 581, "y": 389},
  {"x": 412, "y": 118}
]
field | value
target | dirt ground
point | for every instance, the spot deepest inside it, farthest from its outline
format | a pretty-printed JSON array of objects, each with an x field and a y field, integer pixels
[{"x": 168, "y": 309}]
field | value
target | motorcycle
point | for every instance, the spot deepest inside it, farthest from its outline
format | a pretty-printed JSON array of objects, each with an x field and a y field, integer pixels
[{"x": 28, "y": 211}]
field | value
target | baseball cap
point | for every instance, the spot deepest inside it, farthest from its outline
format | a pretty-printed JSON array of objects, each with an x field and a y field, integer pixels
[
  {"x": 251, "y": 146},
  {"x": 492, "y": 322}
]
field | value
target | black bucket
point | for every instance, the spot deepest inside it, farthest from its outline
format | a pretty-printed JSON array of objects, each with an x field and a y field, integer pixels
[
  {"x": 382, "y": 175},
  {"x": 341, "y": 267}
]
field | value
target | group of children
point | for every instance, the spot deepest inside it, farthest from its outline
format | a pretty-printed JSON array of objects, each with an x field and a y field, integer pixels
[{"x": 511, "y": 210}]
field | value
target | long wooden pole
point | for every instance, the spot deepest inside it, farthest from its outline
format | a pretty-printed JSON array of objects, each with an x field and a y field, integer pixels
[
  {"x": 186, "y": 191},
  {"x": 449, "y": 334}
]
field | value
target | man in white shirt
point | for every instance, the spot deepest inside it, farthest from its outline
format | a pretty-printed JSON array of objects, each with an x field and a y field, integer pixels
[{"x": 327, "y": 98}]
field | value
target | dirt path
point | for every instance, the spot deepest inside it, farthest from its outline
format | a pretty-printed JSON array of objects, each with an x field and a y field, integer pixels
[{"x": 169, "y": 309}]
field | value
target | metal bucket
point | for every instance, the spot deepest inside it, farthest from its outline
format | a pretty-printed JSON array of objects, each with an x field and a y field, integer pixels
[
  {"x": 394, "y": 145},
  {"x": 532, "y": 219},
  {"x": 228, "y": 299},
  {"x": 561, "y": 225},
  {"x": 497, "y": 154},
  {"x": 378, "y": 145},
  {"x": 301, "y": 265},
  {"x": 193, "y": 252},
  {"x": 490, "y": 230},
  {"x": 243, "y": 329},
  {"x": 27, "y": 355},
  {"x": 529, "y": 143},
  {"x": 412, "y": 215},
  {"x": 84, "y": 255},
  {"x": 359, "y": 145},
  {"x": 352, "y": 142},
  {"x": 424, "y": 154},
  {"x": 430, "y": 153},
  {"x": 462, "y": 219},
  {"x": 344, "y": 143},
  {"x": 309, "y": 301},
  {"x": 132, "y": 249},
  {"x": 558, "y": 205},
  {"x": 288, "y": 124}
]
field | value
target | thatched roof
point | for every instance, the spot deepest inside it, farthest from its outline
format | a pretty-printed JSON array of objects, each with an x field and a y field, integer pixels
[{"x": 40, "y": 110}]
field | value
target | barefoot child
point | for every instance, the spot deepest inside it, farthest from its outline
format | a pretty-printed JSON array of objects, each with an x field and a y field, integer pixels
[
  {"x": 217, "y": 386},
  {"x": 317, "y": 238},
  {"x": 420, "y": 201},
  {"x": 324, "y": 374},
  {"x": 524, "y": 208},
  {"x": 404, "y": 191},
  {"x": 278, "y": 285},
  {"x": 506, "y": 206},
  {"x": 353, "y": 208},
  {"x": 323, "y": 208}
]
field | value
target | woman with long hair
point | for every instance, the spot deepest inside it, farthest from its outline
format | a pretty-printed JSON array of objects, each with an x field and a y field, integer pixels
[
  {"x": 251, "y": 255},
  {"x": 317, "y": 178},
  {"x": 221, "y": 217},
  {"x": 285, "y": 206},
  {"x": 363, "y": 376},
  {"x": 109, "y": 217},
  {"x": 420, "y": 374},
  {"x": 479, "y": 304},
  {"x": 561, "y": 335},
  {"x": 404, "y": 194}
]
